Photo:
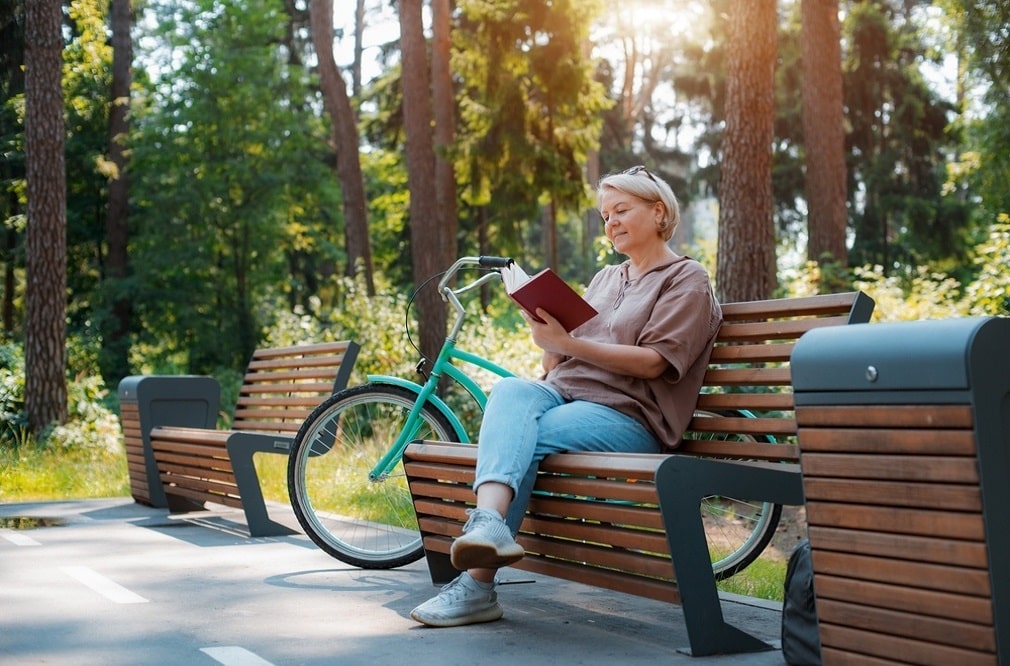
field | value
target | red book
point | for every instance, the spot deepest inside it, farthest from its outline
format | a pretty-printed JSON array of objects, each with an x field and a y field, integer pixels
[{"x": 548, "y": 291}]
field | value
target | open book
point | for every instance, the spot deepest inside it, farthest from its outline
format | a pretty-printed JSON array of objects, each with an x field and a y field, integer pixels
[{"x": 546, "y": 290}]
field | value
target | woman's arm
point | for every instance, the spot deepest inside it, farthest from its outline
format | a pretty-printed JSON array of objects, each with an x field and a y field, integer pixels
[{"x": 629, "y": 360}]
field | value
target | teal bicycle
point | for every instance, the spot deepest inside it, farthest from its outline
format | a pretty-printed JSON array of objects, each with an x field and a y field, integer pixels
[{"x": 345, "y": 475}]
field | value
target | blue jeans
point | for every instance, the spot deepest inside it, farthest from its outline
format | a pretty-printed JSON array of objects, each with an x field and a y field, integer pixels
[{"x": 525, "y": 421}]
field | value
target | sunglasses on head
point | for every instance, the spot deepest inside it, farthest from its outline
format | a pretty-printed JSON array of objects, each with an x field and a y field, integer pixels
[{"x": 638, "y": 169}]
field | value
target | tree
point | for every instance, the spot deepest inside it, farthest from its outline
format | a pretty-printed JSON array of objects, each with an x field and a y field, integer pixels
[
  {"x": 12, "y": 168},
  {"x": 529, "y": 116},
  {"x": 45, "y": 296},
  {"x": 746, "y": 268},
  {"x": 823, "y": 133},
  {"x": 116, "y": 340},
  {"x": 444, "y": 104},
  {"x": 430, "y": 249},
  {"x": 345, "y": 138},
  {"x": 898, "y": 141}
]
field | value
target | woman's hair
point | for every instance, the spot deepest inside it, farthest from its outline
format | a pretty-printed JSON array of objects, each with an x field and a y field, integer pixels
[{"x": 647, "y": 186}]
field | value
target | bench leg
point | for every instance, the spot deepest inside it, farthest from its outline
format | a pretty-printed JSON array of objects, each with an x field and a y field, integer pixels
[
  {"x": 440, "y": 567},
  {"x": 681, "y": 483},
  {"x": 241, "y": 448}
]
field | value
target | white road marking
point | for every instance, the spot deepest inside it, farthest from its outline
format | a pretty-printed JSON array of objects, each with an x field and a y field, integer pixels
[
  {"x": 105, "y": 587},
  {"x": 232, "y": 655},
  {"x": 18, "y": 539}
]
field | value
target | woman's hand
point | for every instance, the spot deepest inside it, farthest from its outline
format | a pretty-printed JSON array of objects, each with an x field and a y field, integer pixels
[{"x": 549, "y": 334}]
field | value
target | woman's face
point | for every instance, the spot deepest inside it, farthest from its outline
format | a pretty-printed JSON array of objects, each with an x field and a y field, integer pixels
[{"x": 631, "y": 224}]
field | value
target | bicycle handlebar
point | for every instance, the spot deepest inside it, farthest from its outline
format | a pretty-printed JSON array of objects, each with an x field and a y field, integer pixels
[
  {"x": 450, "y": 295},
  {"x": 494, "y": 262}
]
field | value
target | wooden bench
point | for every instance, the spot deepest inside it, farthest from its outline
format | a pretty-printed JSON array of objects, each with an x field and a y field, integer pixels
[
  {"x": 280, "y": 388},
  {"x": 904, "y": 430},
  {"x": 626, "y": 521}
]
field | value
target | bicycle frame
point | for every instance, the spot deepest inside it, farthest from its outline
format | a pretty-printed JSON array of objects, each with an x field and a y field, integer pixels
[{"x": 443, "y": 366}]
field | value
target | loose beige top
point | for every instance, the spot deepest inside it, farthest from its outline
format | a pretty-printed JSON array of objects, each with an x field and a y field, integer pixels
[{"x": 670, "y": 309}]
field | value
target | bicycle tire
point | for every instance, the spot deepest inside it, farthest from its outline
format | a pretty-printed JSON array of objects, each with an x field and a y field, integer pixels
[
  {"x": 364, "y": 523},
  {"x": 737, "y": 531}
]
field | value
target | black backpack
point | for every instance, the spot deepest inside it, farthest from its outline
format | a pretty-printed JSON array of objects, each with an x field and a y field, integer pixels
[{"x": 801, "y": 644}]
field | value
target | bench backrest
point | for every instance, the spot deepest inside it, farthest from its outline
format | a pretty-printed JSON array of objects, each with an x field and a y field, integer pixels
[
  {"x": 283, "y": 385},
  {"x": 748, "y": 386}
]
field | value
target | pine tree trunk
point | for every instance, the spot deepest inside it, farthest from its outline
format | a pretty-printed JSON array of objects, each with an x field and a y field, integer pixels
[
  {"x": 823, "y": 132},
  {"x": 116, "y": 341},
  {"x": 345, "y": 133},
  {"x": 746, "y": 268},
  {"x": 46, "y": 268},
  {"x": 427, "y": 240},
  {"x": 444, "y": 103}
]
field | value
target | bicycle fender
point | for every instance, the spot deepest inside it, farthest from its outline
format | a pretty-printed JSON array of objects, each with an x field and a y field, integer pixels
[{"x": 434, "y": 400}]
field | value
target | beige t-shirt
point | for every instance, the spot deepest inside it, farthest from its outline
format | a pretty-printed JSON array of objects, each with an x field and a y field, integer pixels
[{"x": 670, "y": 309}]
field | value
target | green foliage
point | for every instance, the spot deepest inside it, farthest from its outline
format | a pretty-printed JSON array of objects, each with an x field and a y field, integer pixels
[
  {"x": 529, "y": 110},
  {"x": 229, "y": 181},
  {"x": 925, "y": 292},
  {"x": 91, "y": 424}
]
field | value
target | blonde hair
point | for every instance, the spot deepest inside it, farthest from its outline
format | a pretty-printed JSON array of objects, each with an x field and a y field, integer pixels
[{"x": 647, "y": 186}]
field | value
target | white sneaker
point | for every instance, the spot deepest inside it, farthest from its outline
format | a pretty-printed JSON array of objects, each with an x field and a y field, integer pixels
[
  {"x": 486, "y": 543},
  {"x": 460, "y": 602}
]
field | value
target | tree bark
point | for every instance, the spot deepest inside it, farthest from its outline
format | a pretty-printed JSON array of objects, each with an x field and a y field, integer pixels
[
  {"x": 426, "y": 231},
  {"x": 444, "y": 102},
  {"x": 115, "y": 342},
  {"x": 46, "y": 253},
  {"x": 823, "y": 132},
  {"x": 345, "y": 135},
  {"x": 746, "y": 268}
]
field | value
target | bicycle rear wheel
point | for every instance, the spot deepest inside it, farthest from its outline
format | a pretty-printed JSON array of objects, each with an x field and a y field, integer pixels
[
  {"x": 365, "y": 523},
  {"x": 737, "y": 530}
]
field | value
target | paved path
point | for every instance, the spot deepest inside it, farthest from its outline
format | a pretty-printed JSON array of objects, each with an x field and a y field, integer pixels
[{"x": 121, "y": 583}]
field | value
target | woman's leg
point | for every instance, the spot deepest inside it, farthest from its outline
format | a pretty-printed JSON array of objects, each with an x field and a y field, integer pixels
[{"x": 579, "y": 426}]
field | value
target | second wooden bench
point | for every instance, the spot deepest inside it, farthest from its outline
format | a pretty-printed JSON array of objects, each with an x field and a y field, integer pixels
[{"x": 280, "y": 388}]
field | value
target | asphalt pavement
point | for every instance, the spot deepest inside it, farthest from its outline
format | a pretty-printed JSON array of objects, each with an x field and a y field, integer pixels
[{"x": 111, "y": 582}]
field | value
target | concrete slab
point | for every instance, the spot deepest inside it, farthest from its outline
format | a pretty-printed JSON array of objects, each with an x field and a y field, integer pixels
[{"x": 121, "y": 583}]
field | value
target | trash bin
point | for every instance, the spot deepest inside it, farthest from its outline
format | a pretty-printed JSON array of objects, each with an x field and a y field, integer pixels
[
  {"x": 904, "y": 436},
  {"x": 149, "y": 400}
]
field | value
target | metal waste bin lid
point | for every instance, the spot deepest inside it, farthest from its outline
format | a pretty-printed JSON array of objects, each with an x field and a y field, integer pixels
[{"x": 895, "y": 356}]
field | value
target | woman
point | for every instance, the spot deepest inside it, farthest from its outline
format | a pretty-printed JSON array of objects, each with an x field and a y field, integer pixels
[{"x": 627, "y": 380}]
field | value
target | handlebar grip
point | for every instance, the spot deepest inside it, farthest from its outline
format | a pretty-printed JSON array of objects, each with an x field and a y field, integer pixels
[{"x": 494, "y": 262}]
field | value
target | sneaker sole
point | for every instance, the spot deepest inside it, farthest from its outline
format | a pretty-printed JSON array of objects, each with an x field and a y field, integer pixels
[
  {"x": 487, "y": 615},
  {"x": 468, "y": 555}
]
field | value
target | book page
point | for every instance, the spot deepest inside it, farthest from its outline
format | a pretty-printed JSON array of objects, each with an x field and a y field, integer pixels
[{"x": 514, "y": 277}]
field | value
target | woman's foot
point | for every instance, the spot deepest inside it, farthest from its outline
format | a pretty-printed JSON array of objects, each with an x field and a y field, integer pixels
[{"x": 486, "y": 543}]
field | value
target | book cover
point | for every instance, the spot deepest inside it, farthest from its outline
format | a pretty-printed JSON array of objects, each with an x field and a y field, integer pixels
[{"x": 547, "y": 290}]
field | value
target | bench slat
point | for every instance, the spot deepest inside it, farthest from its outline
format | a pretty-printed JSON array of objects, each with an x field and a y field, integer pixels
[
  {"x": 897, "y": 520},
  {"x": 942, "y": 577},
  {"x": 890, "y": 493},
  {"x": 925, "y": 548},
  {"x": 902, "y": 651},
  {"x": 954, "y": 633},
  {"x": 926, "y": 601},
  {"x": 891, "y": 416}
]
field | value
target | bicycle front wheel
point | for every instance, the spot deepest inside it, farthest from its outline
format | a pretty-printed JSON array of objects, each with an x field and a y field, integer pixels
[
  {"x": 737, "y": 530},
  {"x": 363, "y": 522}
]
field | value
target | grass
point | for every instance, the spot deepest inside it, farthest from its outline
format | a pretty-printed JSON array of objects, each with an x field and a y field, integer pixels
[
  {"x": 29, "y": 473},
  {"x": 764, "y": 579}
]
